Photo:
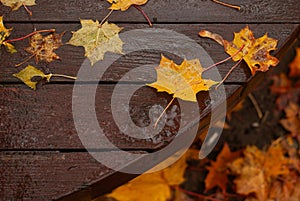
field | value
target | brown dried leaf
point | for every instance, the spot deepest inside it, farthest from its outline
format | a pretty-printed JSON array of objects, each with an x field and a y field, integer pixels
[{"x": 43, "y": 47}]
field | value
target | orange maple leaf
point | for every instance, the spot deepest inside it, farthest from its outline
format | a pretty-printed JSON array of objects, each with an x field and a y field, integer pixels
[
  {"x": 255, "y": 52},
  {"x": 217, "y": 175},
  {"x": 295, "y": 65}
]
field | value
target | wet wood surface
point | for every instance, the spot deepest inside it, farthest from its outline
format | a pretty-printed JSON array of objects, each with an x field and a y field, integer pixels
[{"x": 42, "y": 157}]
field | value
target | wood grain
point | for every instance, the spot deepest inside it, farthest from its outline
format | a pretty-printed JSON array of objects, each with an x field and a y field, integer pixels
[
  {"x": 191, "y": 11},
  {"x": 43, "y": 119},
  {"x": 46, "y": 175},
  {"x": 73, "y": 57}
]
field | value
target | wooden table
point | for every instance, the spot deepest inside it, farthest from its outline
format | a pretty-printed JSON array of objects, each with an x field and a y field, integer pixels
[{"x": 42, "y": 157}]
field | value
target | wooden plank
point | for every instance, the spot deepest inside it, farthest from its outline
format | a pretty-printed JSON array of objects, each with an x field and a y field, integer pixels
[
  {"x": 50, "y": 175},
  {"x": 252, "y": 11},
  {"x": 43, "y": 119},
  {"x": 73, "y": 57}
]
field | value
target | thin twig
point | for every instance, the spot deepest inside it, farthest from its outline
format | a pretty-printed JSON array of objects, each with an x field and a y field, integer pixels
[
  {"x": 106, "y": 17},
  {"x": 23, "y": 62},
  {"x": 29, "y": 35},
  {"x": 144, "y": 14},
  {"x": 27, "y": 10},
  {"x": 227, "y": 5},
  {"x": 227, "y": 75},
  {"x": 161, "y": 115},
  {"x": 220, "y": 62},
  {"x": 256, "y": 106}
]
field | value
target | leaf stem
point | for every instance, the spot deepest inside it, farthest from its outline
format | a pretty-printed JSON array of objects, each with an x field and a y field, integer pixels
[
  {"x": 220, "y": 62},
  {"x": 163, "y": 112},
  {"x": 64, "y": 76},
  {"x": 227, "y": 5},
  {"x": 27, "y": 10},
  {"x": 29, "y": 35},
  {"x": 144, "y": 14},
  {"x": 23, "y": 62},
  {"x": 227, "y": 75},
  {"x": 106, "y": 17}
]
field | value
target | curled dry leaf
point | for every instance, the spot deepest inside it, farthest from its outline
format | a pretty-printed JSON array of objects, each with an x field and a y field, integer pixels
[
  {"x": 125, "y": 4},
  {"x": 217, "y": 171},
  {"x": 97, "y": 39},
  {"x": 255, "y": 52},
  {"x": 4, "y": 34},
  {"x": 295, "y": 65},
  {"x": 42, "y": 48},
  {"x": 183, "y": 81},
  {"x": 30, "y": 72},
  {"x": 16, "y": 4}
]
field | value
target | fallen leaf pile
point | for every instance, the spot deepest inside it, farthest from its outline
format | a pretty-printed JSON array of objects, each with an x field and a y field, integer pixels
[{"x": 258, "y": 170}]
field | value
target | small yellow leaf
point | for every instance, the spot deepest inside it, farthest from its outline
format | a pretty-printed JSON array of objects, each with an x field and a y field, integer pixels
[
  {"x": 16, "y": 4},
  {"x": 125, "y": 4},
  {"x": 5, "y": 33},
  {"x": 184, "y": 81},
  {"x": 97, "y": 39},
  {"x": 28, "y": 73}
]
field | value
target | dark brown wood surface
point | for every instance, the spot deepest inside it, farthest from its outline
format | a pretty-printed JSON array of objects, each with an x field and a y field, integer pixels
[{"x": 42, "y": 157}]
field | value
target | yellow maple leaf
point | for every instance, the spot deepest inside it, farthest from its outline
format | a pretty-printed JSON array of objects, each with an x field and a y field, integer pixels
[
  {"x": 183, "y": 81},
  {"x": 16, "y": 4},
  {"x": 5, "y": 33},
  {"x": 97, "y": 39},
  {"x": 125, "y": 4},
  {"x": 255, "y": 52},
  {"x": 154, "y": 186}
]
